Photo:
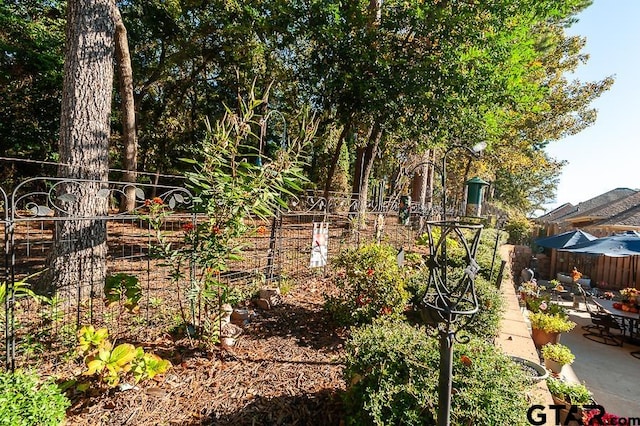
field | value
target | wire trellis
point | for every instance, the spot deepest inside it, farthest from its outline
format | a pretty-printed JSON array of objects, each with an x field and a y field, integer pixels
[{"x": 42, "y": 329}]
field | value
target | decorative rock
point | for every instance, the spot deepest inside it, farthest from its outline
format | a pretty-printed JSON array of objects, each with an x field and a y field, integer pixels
[
  {"x": 230, "y": 330},
  {"x": 227, "y": 342},
  {"x": 263, "y": 304},
  {"x": 271, "y": 296},
  {"x": 240, "y": 316}
]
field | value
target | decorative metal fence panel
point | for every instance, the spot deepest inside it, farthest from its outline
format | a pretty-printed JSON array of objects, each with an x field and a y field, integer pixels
[{"x": 40, "y": 323}]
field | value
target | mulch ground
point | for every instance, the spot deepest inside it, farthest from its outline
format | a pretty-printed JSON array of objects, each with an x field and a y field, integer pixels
[{"x": 285, "y": 369}]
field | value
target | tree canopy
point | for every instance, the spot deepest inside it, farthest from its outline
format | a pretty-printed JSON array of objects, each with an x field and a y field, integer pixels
[{"x": 388, "y": 80}]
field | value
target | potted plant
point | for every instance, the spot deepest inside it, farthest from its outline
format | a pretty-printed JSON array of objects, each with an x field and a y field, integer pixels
[
  {"x": 529, "y": 290},
  {"x": 546, "y": 328},
  {"x": 556, "y": 355},
  {"x": 569, "y": 394}
]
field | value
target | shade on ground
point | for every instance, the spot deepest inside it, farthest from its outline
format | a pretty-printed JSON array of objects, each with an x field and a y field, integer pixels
[{"x": 566, "y": 239}]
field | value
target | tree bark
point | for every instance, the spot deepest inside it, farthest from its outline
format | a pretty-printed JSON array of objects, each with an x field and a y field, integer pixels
[
  {"x": 334, "y": 160},
  {"x": 127, "y": 107},
  {"x": 78, "y": 255},
  {"x": 366, "y": 158}
]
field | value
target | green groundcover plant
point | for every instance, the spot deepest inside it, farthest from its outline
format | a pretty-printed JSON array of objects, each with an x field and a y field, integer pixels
[
  {"x": 392, "y": 378},
  {"x": 27, "y": 401}
]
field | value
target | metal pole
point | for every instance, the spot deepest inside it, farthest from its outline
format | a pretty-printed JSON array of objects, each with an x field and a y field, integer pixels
[
  {"x": 495, "y": 249},
  {"x": 446, "y": 373}
]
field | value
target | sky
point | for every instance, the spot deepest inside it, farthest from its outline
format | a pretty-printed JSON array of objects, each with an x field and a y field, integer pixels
[{"x": 606, "y": 155}]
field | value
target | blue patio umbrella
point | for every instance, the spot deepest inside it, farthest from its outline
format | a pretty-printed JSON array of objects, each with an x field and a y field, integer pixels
[
  {"x": 566, "y": 239},
  {"x": 617, "y": 245}
]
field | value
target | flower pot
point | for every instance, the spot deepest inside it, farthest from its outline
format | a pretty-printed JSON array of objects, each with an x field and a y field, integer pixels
[
  {"x": 565, "y": 417},
  {"x": 553, "y": 365},
  {"x": 541, "y": 337}
]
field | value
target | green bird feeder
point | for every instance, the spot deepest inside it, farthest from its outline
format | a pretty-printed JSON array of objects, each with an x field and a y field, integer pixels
[{"x": 475, "y": 187}]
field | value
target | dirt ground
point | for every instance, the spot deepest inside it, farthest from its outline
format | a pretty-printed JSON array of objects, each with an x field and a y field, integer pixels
[{"x": 285, "y": 369}]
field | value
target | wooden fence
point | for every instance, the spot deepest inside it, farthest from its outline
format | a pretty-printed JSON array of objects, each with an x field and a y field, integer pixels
[{"x": 605, "y": 272}]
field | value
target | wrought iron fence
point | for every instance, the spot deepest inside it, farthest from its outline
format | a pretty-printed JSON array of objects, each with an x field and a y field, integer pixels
[{"x": 40, "y": 324}]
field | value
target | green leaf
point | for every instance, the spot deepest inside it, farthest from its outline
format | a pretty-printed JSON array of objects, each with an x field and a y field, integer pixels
[
  {"x": 122, "y": 355},
  {"x": 188, "y": 160}
]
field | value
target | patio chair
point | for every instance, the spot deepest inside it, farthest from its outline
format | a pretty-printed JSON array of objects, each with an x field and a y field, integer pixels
[{"x": 602, "y": 324}]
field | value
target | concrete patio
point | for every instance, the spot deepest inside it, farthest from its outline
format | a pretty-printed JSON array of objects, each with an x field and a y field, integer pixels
[{"x": 609, "y": 372}]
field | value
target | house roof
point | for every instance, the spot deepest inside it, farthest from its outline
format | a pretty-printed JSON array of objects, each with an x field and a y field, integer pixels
[
  {"x": 601, "y": 201},
  {"x": 557, "y": 213},
  {"x": 626, "y": 219},
  {"x": 609, "y": 210}
]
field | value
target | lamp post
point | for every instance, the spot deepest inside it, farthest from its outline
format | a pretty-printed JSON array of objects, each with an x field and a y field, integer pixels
[
  {"x": 474, "y": 151},
  {"x": 450, "y": 300}
]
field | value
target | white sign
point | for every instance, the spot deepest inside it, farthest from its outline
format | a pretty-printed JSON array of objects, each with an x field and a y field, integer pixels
[{"x": 319, "y": 249}]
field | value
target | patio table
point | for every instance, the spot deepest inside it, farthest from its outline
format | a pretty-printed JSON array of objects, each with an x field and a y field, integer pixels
[{"x": 629, "y": 319}]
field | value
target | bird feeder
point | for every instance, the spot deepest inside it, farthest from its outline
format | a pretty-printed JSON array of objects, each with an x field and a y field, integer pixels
[{"x": 475, "y": 188}]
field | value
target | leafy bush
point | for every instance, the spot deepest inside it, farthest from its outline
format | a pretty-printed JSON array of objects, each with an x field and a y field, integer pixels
[
  {"x": 486, "y": 323},
  {"x": 26, "y": 401},
  {"x": 123, "y": 287},
  {"x": 371, "y": 284},
  {"x": 519, "y": 229},
  {"x": 392, "y": 370},
  {"x": 111, "y": 363},
  {"x": 485, "y": 252}
]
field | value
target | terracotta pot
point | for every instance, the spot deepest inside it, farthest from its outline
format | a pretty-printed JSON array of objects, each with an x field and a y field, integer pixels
[
  {"x": 553, "y": 365},
  {"x": 541, "y": 337},
  {"x": 564, "y": 413}
]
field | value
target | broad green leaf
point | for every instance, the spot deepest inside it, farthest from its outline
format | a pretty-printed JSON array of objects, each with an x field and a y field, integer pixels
[{"x": 122, "y": 354}]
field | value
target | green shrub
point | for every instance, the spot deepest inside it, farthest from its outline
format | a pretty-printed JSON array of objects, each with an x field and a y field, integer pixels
[
  {"x": 519, "y": 229},
  {"x": 486, "y": 323},
  {"x": 485, "y": 252},
  {"x": 370, "y": 284},
  {"x": 392, "y": 377},
  {"x": 24, "y": 400}
]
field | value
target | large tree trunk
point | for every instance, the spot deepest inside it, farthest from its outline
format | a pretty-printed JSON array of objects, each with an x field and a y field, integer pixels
[
  {"x": 127, "y": 107},
  {"x": 364, "y": 165},
  {"x": 78, "y": 256},
  {"x": 334, "y": 160}
]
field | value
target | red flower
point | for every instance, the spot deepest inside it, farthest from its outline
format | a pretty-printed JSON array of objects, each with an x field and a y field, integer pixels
[
  {"x": 362, "y": 300},
  {"x": 147, "y": 202},
  {"x": 370, "y": 272},
  {"x": 261, "y": 230},
  {"x": 158, "y": 200},
  {"x": 385, "y": 311},
  {"x": 215, "y": 229},
  {"x": 589, "y": 418},
  {"x": 187, "y": 227},
  {"x": 465, "y": 360}
]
